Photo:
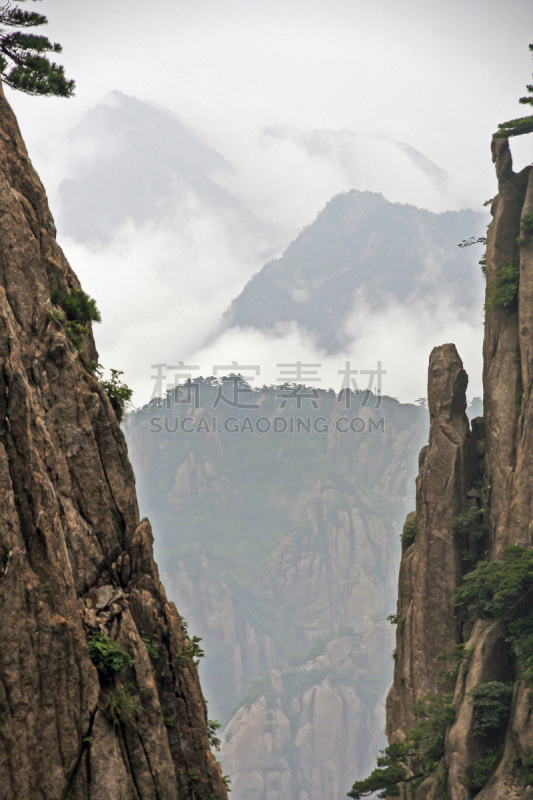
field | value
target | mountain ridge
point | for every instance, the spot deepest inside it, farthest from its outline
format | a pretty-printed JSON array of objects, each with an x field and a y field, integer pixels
[{"x": 360, "y": 243}]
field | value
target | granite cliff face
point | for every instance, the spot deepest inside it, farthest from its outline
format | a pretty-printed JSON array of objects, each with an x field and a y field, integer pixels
[
  {"x": 270, "y": 542},
  {"x": 297, "y": 739},
  {"x": 474, "y": 501},
  {"x": 431, "y": 567},
  {"x": 75, "y": 558},
  {"x": 281, "y": 551}
]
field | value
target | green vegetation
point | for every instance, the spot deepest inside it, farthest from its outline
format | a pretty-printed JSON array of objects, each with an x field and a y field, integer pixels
[
  {"x": 213, "y": 725},
  {"x": 504, "y": 590},
  {"x": 388, "y": 776},
  {"x": 491, "y": 702},
  {"x": 526, "y": 227},
  {"x": 151, "y": 649},
  {"x": 121, "y": 705},
  {"x": 497, "y": 588},
  {"x": 119, "y": 393},
  {"x": 265, "y": 467},
  {"x": 456, "y": 658},
  {"x": 296, "y": 681},
  {"x": 517, "y": 127},
  {"x": 476, "y": 774},
  {"x": 469, "y": 524},
  {"x": 108, "y": 657},
  {"x": 526, "y": 224},
  {"x": 408, "y": 534},
  {"x": 74, "y": 311},
  {"x": 297, "y": 678},
  {"x": 191, "y": 652},
  {"x": 192, "y": 778},
  {"x": 470, "y": 521},
  {"x": 415, "y": 759},
  {"x": 184, "y": 625},
  {"x": 24, "y": 63},
  {"x": 503, "y": 291},
  {"x": 528, "y": 764},
  {"x": 478, "y": 240},
  {"x": 77, "y": 305},
  {"x": 226, "y": 780},
  {"x": 435, "y": 713}
]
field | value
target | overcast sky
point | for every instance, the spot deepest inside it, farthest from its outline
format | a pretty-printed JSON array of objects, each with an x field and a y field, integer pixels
[{"x": 291, "y": 103}]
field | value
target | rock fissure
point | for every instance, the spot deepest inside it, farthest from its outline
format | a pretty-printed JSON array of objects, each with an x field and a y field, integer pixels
[
  {"x": 71, "y": 513},
  {"x": 474, "y": 502}
]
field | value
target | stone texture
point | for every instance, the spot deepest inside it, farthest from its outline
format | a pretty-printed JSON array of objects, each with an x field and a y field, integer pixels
[
  {"x": 431, "y": 568},
  {"x": 333, "y": 565},
  {"x": 503, "y": 459},
  {"x": 301, "y": 746},
  {"x": 74, "y": 555},
  {"x": 261, "y": 596},
  {"x": 507, "y": 360},
  {"x": 489, "y": 662}
]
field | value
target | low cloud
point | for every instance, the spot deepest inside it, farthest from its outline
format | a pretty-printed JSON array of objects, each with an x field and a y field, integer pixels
[
  {"x": 147, "y": 216},
  {"x": 373, "y": 162},
  {"x": 399, "y": 335}
]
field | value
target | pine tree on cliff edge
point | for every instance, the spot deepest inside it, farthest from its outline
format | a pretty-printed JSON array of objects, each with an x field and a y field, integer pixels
[
  {"x": 24, "y": 63},
  {"x": 516, "y": 127}
]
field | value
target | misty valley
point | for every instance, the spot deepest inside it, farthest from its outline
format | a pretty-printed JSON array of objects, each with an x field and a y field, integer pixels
[{"x": 266, "y": 400}]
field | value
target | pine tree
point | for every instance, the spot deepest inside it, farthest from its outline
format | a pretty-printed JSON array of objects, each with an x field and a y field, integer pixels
[
  {"x": 516, "y": 127},
  {"x": 24, "y": 63}
]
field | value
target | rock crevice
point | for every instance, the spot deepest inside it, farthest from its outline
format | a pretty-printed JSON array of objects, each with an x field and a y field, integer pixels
[
  {"x": 75, "y": 559},
  {"x": 480, "y": 481}
]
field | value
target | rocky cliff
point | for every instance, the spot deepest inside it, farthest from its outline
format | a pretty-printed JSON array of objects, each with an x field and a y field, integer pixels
[
  {"x": 308, "y": 731},
  {"x": 281, "y": 551},
  {"x": 459, "y": 711},
  {"x": 99, "y": 697}
]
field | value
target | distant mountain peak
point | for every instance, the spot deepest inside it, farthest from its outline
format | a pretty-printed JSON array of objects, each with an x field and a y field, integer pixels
[{"x": 358, "y": 242}]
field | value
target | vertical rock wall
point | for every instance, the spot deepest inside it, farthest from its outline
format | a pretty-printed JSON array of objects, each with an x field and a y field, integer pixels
[
  {"x": 507, "y": 361},
  {"x": 75, "y": 559},
  {"x": 431, "y": 567},
  {"x": 492, "y": 466},
  {"x": 297, "y": 598}
]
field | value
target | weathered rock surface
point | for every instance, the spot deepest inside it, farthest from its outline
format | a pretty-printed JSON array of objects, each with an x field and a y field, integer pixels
[
  {"x": 491, "y": 467},
  {"x": 431, "y": 568},
  {"x": 74, "y": 556},
  {"x": 326, "y": 559},
  {"x": 298, "y": 739},
  {"x": 507, "y": 361},
  {"x": 271, "y": 545}
]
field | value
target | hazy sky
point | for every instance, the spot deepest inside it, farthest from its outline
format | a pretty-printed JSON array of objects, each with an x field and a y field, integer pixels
[{"x": 301, "y": 100}]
